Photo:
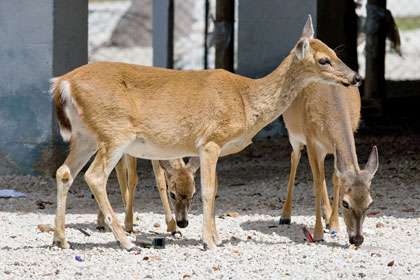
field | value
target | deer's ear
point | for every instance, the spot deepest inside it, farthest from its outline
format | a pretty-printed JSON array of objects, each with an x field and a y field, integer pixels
[
  {"x": 302, "y": 48},
  {"x": 194, "y": 163},
  {"x": 373, "y": 162},
  {"x": 308, "y": 29}
]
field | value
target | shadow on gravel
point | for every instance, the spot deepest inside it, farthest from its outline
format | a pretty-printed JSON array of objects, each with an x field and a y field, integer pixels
[{"x": 292, "y": 231}]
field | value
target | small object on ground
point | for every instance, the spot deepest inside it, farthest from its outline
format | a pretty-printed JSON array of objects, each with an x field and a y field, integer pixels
[
  {"x": 79, "y": 259},
  {"x": 156, "y": 225},
  {"x": 84, "y": 232},
  {"x": 8, "y": 193},
  {"x": 145, "y": 258},
  {"x": 362, "y": 275},
  {"x": 186, "y": 276},
  {"x": 307, "y": 235},
  {"x": 408, "y": 210},
  {"x": 272, "y": 226},
  {"x": 217, "y": 267},
  {"x": 229, "y": 214},
  {"x": 391, "y": 263},
  {"x": 379, "y": 225},
  {"x": 45, "y": 228},
  {"x": 236, "y": 252},
  {"x": 333, "y": 232},
  {"x": 176, "y": 234},
  {"x": 373, "y": 213},
  {"x": 148, "y": 242}
]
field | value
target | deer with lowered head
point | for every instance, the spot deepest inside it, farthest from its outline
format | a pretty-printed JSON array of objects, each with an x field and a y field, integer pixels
[
  {"x": 163, "y": 114},
  {"x": 323, "y": 117},
  {"x": 181, "y": 188}
]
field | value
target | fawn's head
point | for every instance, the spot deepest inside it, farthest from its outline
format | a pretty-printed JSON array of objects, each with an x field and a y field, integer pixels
[
  {"x": 320, "y": 63},
  {"x": 355, "y": 194},
  {"x": 181, "y": 186}
]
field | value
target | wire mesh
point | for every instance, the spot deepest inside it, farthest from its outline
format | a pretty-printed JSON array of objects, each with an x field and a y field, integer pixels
[{"x": 122, "y": 31}]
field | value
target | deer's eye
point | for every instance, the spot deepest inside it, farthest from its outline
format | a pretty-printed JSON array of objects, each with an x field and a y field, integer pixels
[
  {"x": 325, "y": 61},
  {"x": 172, "y": 195},
  {"x": 345, "y": 204}
]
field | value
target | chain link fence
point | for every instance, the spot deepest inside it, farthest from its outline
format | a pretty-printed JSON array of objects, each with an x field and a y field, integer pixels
[
  {"x": 122, "y": 31},
  {"x": 404, "y": 65}
]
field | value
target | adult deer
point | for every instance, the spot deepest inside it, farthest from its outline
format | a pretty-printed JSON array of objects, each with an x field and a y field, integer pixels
[
  {"x": 324, "y": 118},
  {"x": 181, "y": 188},
  {"x": 163, "y": 114}
]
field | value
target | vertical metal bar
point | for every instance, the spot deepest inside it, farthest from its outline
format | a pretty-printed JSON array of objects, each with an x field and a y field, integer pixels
[
  {"x": 163, "y": 33},
  {"x": 206, "y": 31}
]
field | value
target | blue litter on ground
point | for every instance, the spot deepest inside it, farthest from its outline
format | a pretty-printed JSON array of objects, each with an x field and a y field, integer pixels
[
  {"x": 7, "y": 193},
  {"x": 79, "y": 259},
  {"x": 333, "y": 232}
]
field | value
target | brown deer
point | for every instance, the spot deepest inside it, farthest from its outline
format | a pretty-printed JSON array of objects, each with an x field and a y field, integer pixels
[
  {"x": 324, "y": 118},
  {"x": 181, "y": 188},
  {"x": 163, "y": 114}
]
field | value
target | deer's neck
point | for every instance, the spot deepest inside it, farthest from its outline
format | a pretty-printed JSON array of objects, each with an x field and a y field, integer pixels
[
  {"x": 270, "y": 96},
  {"x": 340, "y": 128}
]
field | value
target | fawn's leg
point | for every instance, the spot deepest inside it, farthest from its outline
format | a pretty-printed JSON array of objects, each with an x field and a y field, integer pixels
[
  {"x": 216, "y": 236},
  {"x": 132, "y": 184},
  {"x": 334, "y": 224},
  {"x": 161, "y": 185},
  {"x": 209, "y": 154},
  {"x": 316, "y": 160},
  {"x": 81, "y": 150},
  {"x": 287, "y": 207}
]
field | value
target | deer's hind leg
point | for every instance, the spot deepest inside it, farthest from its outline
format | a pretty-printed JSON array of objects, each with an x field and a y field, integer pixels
[
  {"x": 96, "y": 177},
  {"x": 215, "y": 234},
  {"x": 295, "y": 158},
  {"x": 81, "y": 150}
]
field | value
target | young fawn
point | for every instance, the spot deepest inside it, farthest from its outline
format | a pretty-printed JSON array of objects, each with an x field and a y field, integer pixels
[
  {"x": 181, "y": 188},
  {"x": 163, "y": 114},
  {"x": 324, "y": 118}
]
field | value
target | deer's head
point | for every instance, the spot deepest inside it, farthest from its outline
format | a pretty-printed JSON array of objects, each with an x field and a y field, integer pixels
[
  {"x": 320, "y": 63},
  {"x": 355, "y": 194},
  {"x": 181, "y": 186}
]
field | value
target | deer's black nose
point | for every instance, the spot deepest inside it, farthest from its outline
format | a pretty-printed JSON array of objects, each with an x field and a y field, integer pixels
[
  {"x": 182, "y": 223},
  {"x": 357, "y": 79},
  {"x": 356, "y": 240}
]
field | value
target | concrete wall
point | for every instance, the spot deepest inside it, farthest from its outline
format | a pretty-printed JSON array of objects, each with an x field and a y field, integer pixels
[
  {"x": 39, "y": 39},
  {"x": 267, "y": 31}
]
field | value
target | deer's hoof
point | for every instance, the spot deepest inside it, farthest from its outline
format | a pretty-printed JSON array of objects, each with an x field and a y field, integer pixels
[
  {"x": 284, "y": 221},
  {"x": 100, "y": 228},
  {"x": 176, "y": 234},
  {"x": 134, "y": 249}
]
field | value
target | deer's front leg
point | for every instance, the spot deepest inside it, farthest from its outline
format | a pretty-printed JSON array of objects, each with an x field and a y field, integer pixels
[
  {"x": 334, "y": 223},
  {"x": 209, "y": 154},
  {"x": 287, "y": 207},
  {"x": 161, "y": 185},
  {"x": 132, "y": 184}
]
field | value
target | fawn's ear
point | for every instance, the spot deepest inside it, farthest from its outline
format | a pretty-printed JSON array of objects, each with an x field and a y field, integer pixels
[
  {"x": 166, "y": 165},
  {"x": 373, "y": 162},
  {"x": 301, "y": 49},
  {"x": 308, "y": 29},
  {"x": 194, "y": 163}
]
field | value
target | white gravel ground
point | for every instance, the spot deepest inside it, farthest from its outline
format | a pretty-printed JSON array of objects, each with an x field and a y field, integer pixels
[{"x": 252, "y": 183}]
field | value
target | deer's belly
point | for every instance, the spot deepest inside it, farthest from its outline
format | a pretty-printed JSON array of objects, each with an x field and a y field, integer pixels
[
  {"x": 142, "y": 148},
  {"x": 235, "y": 145}
]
